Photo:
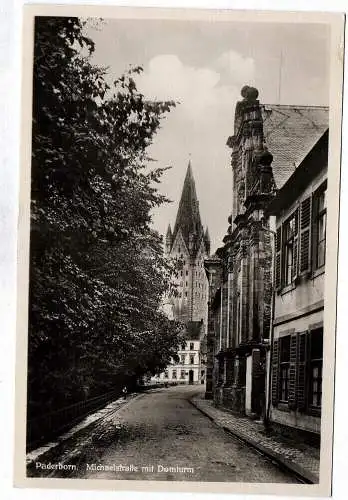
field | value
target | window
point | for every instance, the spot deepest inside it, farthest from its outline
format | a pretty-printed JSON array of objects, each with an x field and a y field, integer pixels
[
  {"x": 290, "y": 233},
  {"x": 183, "y": 347},
  {"x": 316, "y": 366},
  {"x": 183, "y": 358},
  {"x": 185, "y": 294},
  {"x": 297, "y": 371},
  {"x": 174, "y": 374},
  {"x": 284, "y": 372},
  {"x": 182, "y": 374},
  {"x": 301, "y": 240},
  {"x": 320, "y": 227},
  {"x": 192, "y": 346},
  {"x": 166, "y": 374},
  {"x": 192, "y": 359},
  {"x": 186, "y": 272}
]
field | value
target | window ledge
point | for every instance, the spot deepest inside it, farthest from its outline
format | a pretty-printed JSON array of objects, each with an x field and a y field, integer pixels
[
  {"x": 287, "y": 288},
  {"x": 314, "y": 411},
  {"x": 283, "y": 406},
  {"x": 318, "y": 272}
]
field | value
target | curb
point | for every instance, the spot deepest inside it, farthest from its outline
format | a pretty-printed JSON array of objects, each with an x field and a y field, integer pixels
[
  {"x": 304, "y": 475},
  {"x": 51, "y": 446}
]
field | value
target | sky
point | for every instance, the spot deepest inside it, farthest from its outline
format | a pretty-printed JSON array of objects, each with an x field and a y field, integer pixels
[{"x": 204, "y": 65}]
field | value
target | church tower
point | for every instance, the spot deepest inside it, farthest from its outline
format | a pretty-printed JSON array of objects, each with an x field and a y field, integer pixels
[{"x": 189, "y": 245}]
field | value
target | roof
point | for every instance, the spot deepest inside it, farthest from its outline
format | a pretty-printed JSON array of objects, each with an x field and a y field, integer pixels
[
  {"x": 290, "y": 132},
  {"x": 312, "y": 165}
]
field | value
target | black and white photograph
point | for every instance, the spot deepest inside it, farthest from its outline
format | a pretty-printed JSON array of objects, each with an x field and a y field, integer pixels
[{"x": 180, "y": 203}]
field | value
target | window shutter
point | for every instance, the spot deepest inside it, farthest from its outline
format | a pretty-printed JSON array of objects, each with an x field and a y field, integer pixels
[
  {"x": 292, "y": 376},
  {"x": 295, "y": 249},
  {"x": 275, "y": 372},
  {"x": 302, "y": 371},
  {"x": 278, "y": 263},
  {"x": 305, "y": 235}
]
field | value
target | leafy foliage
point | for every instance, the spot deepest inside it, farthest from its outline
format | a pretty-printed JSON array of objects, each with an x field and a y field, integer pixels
[{"x": 97, "y": 273}]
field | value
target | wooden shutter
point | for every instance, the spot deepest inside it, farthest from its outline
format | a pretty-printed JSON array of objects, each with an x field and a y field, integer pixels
[
  {"x": 292, "y": 400},
  {"x": 296, "y": 245},
  {"x": 301, "y": 389},
  {"x": 278, "y": 263},
  {"x": 275, "y": 372},
  {"x": 305, "y": 235}
]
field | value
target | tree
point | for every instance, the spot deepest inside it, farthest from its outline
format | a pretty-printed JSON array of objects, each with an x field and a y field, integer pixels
[{"x": 97, "y": 272}]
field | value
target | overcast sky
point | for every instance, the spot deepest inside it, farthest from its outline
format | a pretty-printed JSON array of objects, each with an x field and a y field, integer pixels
[{"x": 204, "y": 65}]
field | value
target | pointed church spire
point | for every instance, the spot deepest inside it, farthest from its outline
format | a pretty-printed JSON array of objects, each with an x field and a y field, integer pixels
[
  {"x": 207, "y": 240},
  {"x": 188, "y": 218},
  {"x": 169, "y": 233},
  {"x": 169, "y": 239}
]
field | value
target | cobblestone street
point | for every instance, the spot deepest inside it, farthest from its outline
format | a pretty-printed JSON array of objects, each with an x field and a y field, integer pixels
[
  {"x": 160, "y": 435},
  {"x": 297, "y": 456}
]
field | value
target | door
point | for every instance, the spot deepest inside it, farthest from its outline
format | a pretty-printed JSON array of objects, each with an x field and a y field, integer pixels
[{"x": 191, "y": 377}]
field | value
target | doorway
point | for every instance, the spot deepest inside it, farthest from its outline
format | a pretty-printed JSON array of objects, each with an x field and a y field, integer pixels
[{"x": 191, "y": 377}]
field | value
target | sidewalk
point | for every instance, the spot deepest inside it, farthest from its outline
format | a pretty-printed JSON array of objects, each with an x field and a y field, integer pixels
[
  {"x": 76, "y": 437},
  {"x": 299, "y": 458}
]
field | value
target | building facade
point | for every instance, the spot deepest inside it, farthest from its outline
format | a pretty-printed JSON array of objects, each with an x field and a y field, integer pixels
[
  {"x": 189, "y": 369},
  {"x": 297, "y": 346},
  {"x": 188, "y": 245},
  {"x": 268, "y": 143}
]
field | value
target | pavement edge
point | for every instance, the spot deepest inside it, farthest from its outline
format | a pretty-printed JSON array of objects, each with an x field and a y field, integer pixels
[{"x": 303, "y": 474}]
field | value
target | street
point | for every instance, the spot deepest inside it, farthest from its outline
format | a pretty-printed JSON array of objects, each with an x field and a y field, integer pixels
[{"x": 160, "y": 435}]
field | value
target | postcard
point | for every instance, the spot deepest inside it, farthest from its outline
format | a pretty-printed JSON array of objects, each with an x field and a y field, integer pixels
[{"x": 177, "y": 256}]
